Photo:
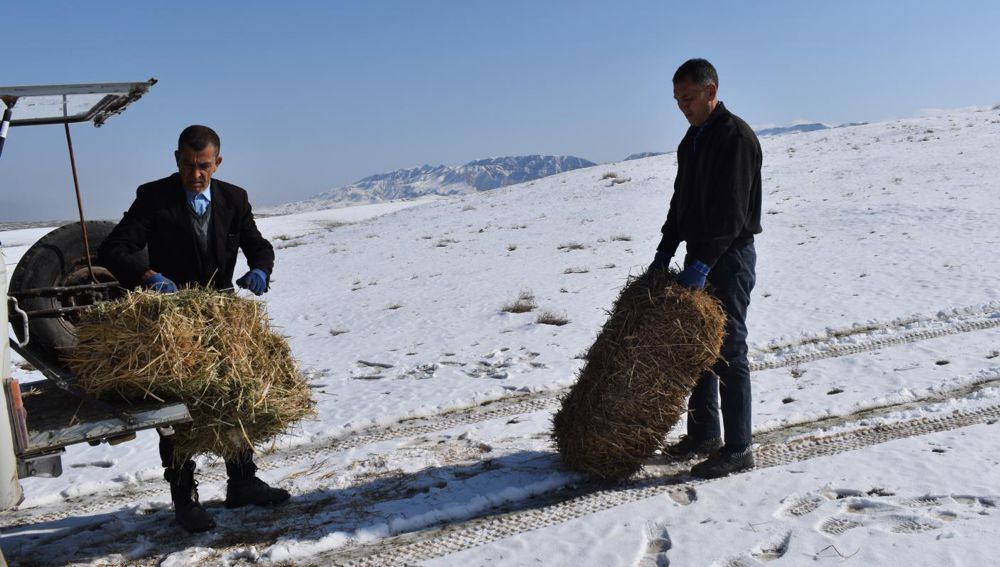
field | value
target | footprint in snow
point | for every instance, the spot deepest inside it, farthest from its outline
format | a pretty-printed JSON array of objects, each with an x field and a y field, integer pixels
[
  {"x": 798, "y": 505},
  {"x": 771, "y": 548},
  {"x": 774, "y": 547},
  {"x": 421, "y": 372},
  {"x": 898, "y": 514},
  {"x": 836, "y": 526},
  {"x": 684, "y": 497},
  {"x": 368, "y": 370},
  {"x": 656, "y": 544},
  {"x": 501, "y": 363}
]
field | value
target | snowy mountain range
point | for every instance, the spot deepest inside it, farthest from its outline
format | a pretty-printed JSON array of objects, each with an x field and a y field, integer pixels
[
  {"x": 807, "y": 127},
  {"x": 443, "y": 180},
  {"x": 642, "y": 155},
  {"x": 479, "y": 175}
]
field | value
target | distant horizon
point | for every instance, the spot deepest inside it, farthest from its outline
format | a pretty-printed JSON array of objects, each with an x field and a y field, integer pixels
[
  {"x": 261, "y": 210},
  {"x": 16, "y": 224}
]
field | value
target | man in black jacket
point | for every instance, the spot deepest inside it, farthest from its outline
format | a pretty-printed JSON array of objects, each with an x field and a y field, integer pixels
[
  {"x": 192, "y": 227},
  {"x": 715, "y": 208}
]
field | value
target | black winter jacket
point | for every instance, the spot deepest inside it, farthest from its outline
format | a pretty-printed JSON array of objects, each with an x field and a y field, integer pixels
[
  {"x": 717, "y": 192},
  {"x": 159, "y": 219}
]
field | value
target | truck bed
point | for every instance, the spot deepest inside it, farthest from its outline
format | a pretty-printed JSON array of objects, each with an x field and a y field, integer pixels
[{"x": 57, "y": 419}]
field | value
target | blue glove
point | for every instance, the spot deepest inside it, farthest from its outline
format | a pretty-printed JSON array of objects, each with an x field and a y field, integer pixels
[
  {"x": 660, "y": 262},
  {"x": 694, "y": 275},
  {"x": 159, "y": 282},
  {"x": 255, "y": 280}
]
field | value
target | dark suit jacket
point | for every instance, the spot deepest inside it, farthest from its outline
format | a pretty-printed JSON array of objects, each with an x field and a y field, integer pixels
[{"x": 159, "y": 220}]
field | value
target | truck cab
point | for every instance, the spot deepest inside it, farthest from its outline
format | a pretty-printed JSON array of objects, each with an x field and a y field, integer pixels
[{"x": 55, "y": 280}]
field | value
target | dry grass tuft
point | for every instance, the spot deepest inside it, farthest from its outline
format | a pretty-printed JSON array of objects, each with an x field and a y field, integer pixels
[
  {"x": 632, "y": 389},
  {"x": 213, "y": 351},
  {"x": 524, "y": 303},
  {"x": 551, "y": 318}
]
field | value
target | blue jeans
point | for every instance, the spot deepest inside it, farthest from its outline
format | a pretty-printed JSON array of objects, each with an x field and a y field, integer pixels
[{"x": 731, "y": 281}]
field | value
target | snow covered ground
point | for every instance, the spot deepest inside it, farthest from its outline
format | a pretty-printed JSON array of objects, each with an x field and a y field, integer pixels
[{"x": 875, "y": 343}]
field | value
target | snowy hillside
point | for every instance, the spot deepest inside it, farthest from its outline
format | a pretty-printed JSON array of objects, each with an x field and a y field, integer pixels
[
  {"x": 405, "y": 184},
  {"x": 875, "y": 351}
]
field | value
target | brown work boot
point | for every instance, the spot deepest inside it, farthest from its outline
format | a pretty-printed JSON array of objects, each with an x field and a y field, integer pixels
[{"x": 188, "y": 511}]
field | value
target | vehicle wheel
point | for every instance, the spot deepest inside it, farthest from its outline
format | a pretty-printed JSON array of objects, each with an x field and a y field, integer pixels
[{"x": 58, "y": 260}]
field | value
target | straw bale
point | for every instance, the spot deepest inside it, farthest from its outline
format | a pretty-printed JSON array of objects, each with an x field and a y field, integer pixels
[
  {"x": 213, "y": 351},
  {"x": 658, "y": 340}
]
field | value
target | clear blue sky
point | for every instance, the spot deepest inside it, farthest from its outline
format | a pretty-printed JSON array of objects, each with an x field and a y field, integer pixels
[{"x": 313, "y": 95}]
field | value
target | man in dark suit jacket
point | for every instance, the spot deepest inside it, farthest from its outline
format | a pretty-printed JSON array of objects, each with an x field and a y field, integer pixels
[{"x": 192, "y": 227}]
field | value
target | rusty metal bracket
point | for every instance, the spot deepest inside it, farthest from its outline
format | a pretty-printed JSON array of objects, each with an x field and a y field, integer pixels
[{"x": 56, "y": 291}]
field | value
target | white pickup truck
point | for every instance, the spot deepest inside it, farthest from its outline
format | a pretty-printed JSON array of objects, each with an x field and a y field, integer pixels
[{"x": 57, "y": 278}]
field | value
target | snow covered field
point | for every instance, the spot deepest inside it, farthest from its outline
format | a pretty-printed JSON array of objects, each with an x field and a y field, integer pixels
[{"x": 875, "y": 343}]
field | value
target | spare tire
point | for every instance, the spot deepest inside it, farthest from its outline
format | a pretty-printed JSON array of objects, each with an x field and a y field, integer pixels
[{"x": 56, "y": 260}]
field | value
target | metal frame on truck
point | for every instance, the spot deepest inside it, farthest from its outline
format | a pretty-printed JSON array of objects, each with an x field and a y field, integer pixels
[{"x": 39, "y": 419}]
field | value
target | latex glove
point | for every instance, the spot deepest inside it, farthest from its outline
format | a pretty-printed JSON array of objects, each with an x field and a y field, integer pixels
[
  {"x": 255, "y": 280},
  {"x": 159, "y": 282},
  {"x": 661, "y": 261},
  {"x": 694, "y": 275}
]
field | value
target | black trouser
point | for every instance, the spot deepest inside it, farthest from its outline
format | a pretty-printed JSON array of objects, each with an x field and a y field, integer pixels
[
  {"x": 240, "y": 467},
  {"x": 731, "y": 281}
]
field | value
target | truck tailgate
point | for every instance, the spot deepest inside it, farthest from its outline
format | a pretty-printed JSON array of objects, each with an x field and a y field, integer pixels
[{"x": 57, "y": 419}]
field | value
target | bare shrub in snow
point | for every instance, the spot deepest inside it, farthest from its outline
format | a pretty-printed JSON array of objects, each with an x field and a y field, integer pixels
[
  {"x": 525, "y": 302},
  {"x": 551, "y": 318}
]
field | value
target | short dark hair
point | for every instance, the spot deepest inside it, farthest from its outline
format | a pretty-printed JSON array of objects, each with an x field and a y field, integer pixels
[
  {"x": 700, "y": 71},
  {"x": 197, "y": 137}
]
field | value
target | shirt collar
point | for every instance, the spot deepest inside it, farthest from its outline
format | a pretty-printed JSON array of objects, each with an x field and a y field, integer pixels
[{"x": 205, "y": 195}]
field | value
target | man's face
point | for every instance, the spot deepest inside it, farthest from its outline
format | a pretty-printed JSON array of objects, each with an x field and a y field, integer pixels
[
  {"x": 695, "y": 101},
  {"x": 197, "y": 166}
]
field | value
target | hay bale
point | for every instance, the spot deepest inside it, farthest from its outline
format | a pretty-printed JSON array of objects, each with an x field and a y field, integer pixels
[
  {"x": 213, "y": 351},
  {"x": 657, "y": 341}
]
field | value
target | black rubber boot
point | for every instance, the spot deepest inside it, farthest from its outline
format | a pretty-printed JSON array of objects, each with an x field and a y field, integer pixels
[
  {"x": 245, "y": 488},
  {"x": 724, "y": 463},
  {"x": 689, "y": 447},
  {"x": 184, "y": 492}
]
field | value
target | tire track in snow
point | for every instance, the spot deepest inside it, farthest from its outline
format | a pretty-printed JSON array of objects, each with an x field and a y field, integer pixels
[
  {"x": 437, "y": 542},
  {"x": 788, "y": 355},
  {"x": 832, "y": 348},
  {"x": 549, "y": 506}
]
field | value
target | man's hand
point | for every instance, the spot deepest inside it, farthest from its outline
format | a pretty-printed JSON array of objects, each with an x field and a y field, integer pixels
[
  {"x": 160, "y": 283},
  {"x": 694, "y": 275},
  {"x": 255, "y": 280},
  {"x": 661, "y": 261}
]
